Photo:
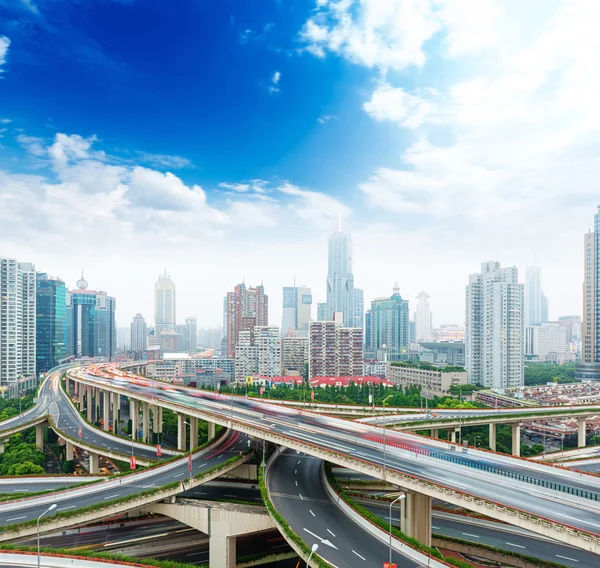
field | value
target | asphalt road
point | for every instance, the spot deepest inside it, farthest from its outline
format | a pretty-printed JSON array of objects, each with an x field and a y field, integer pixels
[
  {"x": 363, "y": 442},
  {"x": 299, "y": 496}
]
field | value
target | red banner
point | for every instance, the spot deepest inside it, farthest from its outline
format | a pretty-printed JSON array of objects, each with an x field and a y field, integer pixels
[
  {"x": 312, "y": 395},
  {"x": 132, "y": 462},
  {"x": 79, "y": 432},
  {"x": 158, "y": 450},
  {"x": 190, "y": 462}
]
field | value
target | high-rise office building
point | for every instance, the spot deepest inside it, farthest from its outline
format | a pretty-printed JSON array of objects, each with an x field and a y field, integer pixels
[
  {"x": 91, "y": 324},
  {"x": 590, "y": 290},
  {"x": 388, "y": 332},
  {"x": 536, "y": 302},
  {"x": 210, "y": 338},
  {"x": 190, "y": 334},
  {"x": 423, "y": 317},
  {"x": 51, "y": 322},
  {"x": 333, "y": 350},
  {"x": 322, "y": 311},
  {"x": 544, "y": 339},
  {"x": 246, "y": 308},
  {"x": 17, "y": 320},
  {"x": 494, "y": 333},
  {"x": 572, "y": 325},
  {"x": 359, "y": 308},
  {"x": 164, "y": 304},
  {"x": 340, "y": 279},
  {"x": 123, "y": 338},
  {"x": 296, "y": 313},
  {"x": 139, "y": 333}
]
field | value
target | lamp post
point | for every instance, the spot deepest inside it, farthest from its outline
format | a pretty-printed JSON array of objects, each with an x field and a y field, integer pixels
[
  {"x": 399, "y": 498},
  {"x": 51, "y": 508},
  {"x": 312, "y": 551}
]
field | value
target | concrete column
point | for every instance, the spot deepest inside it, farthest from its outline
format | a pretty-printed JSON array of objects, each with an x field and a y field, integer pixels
[
  {"x": 106, "y": 410},
  {"x": 93, "y": 462},
  {"x": 212, "y": 430},
  {"x": 75, "y": 388},
  {"x": 39, "y": 437},
  {"x": 2, "y": 442},
  {"x": 516, "y": 439},
  {"x": 134, "y": 411},
  {"x": 69, "y": 451},
  {"x": 81, "y": 398},
  {"x": 96, "y": 404},
  {"x": 193, "y": 433},
  {"x": 116, "y": 403},
  {"x": 160, "y": 419},
  {"x": 181, "y": 445},
  {"x": 435, "y": 433},
  {"x": 222, "y": 551},
  {"x": 156, "y": 419},
  {"x": 416, "y": 517},
  {"x": 493, "y": 436},
  {"x": 452, "y": 434},
  {"x": 89, "y": 403},
  {"x": 67, "y": 383},
  {"x": 145, "y": 421},
  {"x": 580, "y": 432}
]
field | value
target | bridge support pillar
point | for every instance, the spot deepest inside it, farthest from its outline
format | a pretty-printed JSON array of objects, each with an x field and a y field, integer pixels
[
  {"x": 181, "y": 445},
  {"x": 69, "y": 451},
  {"x": 212, "y": 430},
  {"x": 516, "y": 439},
  {"x": 81, "y": 398},
  {"x": 89, "y": 403},
  {"x": 156, "y": 420},
  {"x": 94, "y": 466},
  {"x": 492, "y": 442},
  {"x": 96, "y": 404},
  {"x": 416, "y": 521},
  {"x": 435, "y": 433},
  {"x": 580, "y": 432},
  {"x": 134, "y": 411},
  {"x": 116, "y": 404},
  {"x": 222, "y": 551},
  {"x": 452, "y": 435},
  {"x": 75, "y": 388},
  {"x": 67, "y": 384},
  {"x": 2, "y": 442},
  {"x": 193, "y": 433},
  {"x": 106, "y": 410},
  {"x": 39, "y": 437},
  {"x": 145, "y": 422}
]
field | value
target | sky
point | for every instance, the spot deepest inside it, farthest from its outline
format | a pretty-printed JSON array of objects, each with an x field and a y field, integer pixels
[{"x": 222, "y": 140}]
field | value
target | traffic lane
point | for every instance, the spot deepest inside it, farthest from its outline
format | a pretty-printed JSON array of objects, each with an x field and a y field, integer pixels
[
  {"x": 300, "y": 497},
  {"x": 219, "y": 491},
  {"x": 67, "y": 420},
  {"x": 30, "y": 508},
  {"x": 294, "y": 424},
  {"x": 34, "y": 484},
  {"x": 468, "y": 529}
]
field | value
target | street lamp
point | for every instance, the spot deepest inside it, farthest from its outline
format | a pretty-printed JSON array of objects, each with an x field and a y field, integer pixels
[
  {"x": 399, "y": 498},
  {"x": 51, "y": 508},
  {"x": 312, "y": 551}
]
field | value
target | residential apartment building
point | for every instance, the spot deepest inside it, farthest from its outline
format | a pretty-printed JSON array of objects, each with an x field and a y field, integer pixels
[
  {"x": 294, "y": 353},
  {"x": 51, "y": 322},
  {"x": 17, "y": 321},
  {"x": 430, "y": 380},
  {"x": 545, "y": 341},
  {"x": 333, "y": 350},
  {"x": 245, "y": 309},
  {"x": 494, "y": 337},
  {"x": 181, "y": 366}
]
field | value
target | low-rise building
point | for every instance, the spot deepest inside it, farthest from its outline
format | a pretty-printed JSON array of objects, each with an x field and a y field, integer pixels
[
  {"x": 443, "y": 352},
  {"x": 176, "y": 366},
  {"x": 432, "y": 380},
  {"x": 347, "y": 381},
  {"x": 375, "y": 368}
]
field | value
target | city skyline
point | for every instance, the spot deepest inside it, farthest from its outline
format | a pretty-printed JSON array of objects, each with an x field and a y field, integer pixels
[{"x": 433, "y": 172}]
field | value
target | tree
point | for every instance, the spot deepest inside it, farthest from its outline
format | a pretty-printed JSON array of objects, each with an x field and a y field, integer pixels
[{"x": 25, "y": 468}]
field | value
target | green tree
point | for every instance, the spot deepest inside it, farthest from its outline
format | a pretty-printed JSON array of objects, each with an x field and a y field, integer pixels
[{"x": 25, "y": 468}]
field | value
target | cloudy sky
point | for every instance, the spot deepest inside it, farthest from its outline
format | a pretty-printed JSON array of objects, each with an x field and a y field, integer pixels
[{"x": 221, "y": 140}]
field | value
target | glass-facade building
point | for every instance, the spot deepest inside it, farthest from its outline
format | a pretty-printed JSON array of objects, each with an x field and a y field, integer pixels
[
  {"x": 91, "y": 324},
  {"x": 388, "y": 321},
  {"x": 297, "y": 307},
  {"x": 340, "y": 279},
  {"x": 51, "y": 322}
]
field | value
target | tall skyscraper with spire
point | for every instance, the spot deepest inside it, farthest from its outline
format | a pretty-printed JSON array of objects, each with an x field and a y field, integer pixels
[
  {"x": 340, "y": 279},
  {"x": 164, "y": 304},
  {"x": 536, "y": 302}
]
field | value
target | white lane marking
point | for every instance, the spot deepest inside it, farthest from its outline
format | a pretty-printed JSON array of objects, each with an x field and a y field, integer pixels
[
  {"x": 65, "y": 508},
  {"x": 298, "y": 462},
  {"x": 220, "y": 456},
  {"x": 301, "y": 498},
  {"x": 323, "y": 540},
  {"x": 228, "y": 495},
  {"x": 517, "y": 545},
  {"x": 295, "y": 472},
  {"x": 434, "y": 527},
  {"x": 146, "y": 486},
  {"x": 296, "y": 484},
  {"x": 20, "y": 490},
  {"x": 15, "y": 518},
  {"x": 330, "y": 533},
  {"x": 357, "y": 554},
  {"x": 178, "y": 475},
  {"x": 312, "y": 513},
  {"x": 567, "y": 558},
  {"x": 473, "y": 535},
  {"x": 111, "y": 496}
]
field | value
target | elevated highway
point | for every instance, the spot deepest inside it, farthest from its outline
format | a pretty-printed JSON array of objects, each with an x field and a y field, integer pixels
[{"x": 543, "y": 499}]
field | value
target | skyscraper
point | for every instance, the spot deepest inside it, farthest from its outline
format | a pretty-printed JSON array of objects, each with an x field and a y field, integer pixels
[
  {"x": 17, "y": 320},
  {"x": 340, "y": 279},
  {"x": 359, "y": 309},
  {"x": 388, "y": 325},
  {"x": 91, "y": 324},
  {"x": 190, "y": 338},
  {"x": 139, "y": 333},
  {"x": 494, "y": 334},
  {"x": 51, "y": 322},
  {"x": 246, "y": 308},
  {"x": 536, "y": 303},
  {"x": 588, "y": 331},
  {"x": 322, "y": 311},
  {"x": 296, "y": 313},
  {"x": 423, "y": 317},
  {"x": 164, "y": 304}
]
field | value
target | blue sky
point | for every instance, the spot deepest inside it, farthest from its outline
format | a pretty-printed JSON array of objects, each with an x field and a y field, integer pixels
[{"x": 224, "y": 139}]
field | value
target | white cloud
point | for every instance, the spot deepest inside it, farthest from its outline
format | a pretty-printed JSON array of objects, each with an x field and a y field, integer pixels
[
  {"x": 4, "y": 46},
  {"x": 33, "y": 145},
  {"x": 273, "y": 87},
  {"x": 315, "y": 207},
  {"x": 326, "y": 118},
  {"x": 164, "y": 160},
  {"x": 5, "y": 120}
]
